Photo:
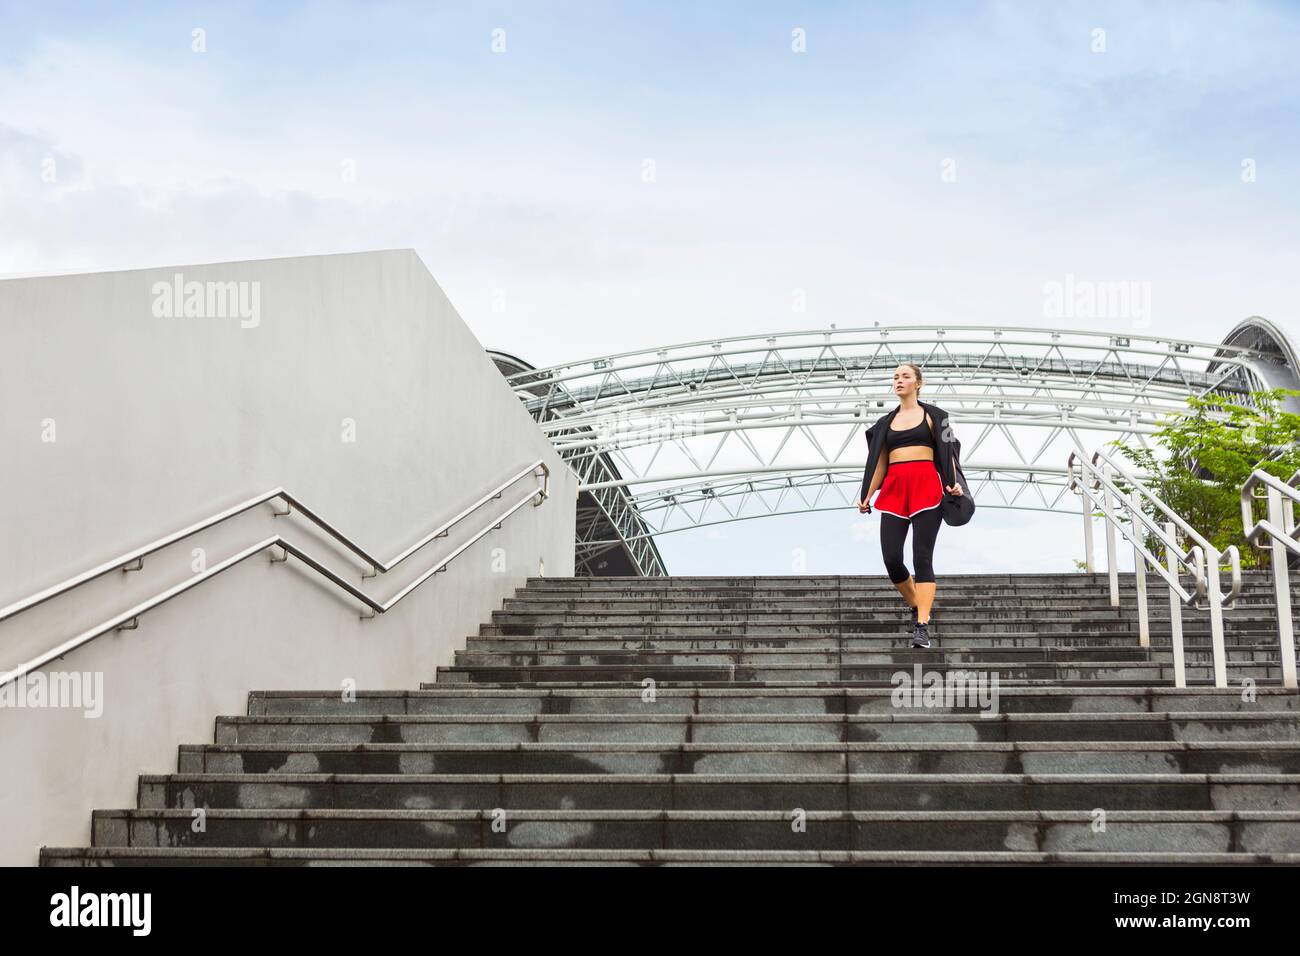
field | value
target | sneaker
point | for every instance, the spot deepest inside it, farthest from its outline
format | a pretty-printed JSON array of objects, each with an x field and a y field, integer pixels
[{"x": 921, "y": 636}]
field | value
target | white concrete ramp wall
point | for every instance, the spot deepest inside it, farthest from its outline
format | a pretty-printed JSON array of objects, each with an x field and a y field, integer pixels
[{"x": 347, "y": 379}]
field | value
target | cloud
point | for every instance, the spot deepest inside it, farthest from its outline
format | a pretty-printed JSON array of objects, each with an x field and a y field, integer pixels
[{"x": 518, "y": 178}]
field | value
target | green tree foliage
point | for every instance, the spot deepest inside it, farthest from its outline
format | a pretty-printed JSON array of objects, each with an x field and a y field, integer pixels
[{"x": 1208, "y": 457}]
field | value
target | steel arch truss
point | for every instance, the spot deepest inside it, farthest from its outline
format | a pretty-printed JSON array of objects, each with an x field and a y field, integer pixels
[{"x": 726, "y": 430}]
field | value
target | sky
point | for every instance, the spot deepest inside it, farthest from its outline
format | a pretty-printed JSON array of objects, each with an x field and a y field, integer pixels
[{"x": 588, "y": 178}]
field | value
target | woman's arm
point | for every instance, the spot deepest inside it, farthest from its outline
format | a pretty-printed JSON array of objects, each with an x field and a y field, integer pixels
[
  {"x": 878, "y": 478},
  {"x": 871, "y": 482},
  {"x": 874, "y": 484}
]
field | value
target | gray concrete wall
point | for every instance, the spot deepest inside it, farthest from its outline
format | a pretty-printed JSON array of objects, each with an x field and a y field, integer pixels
[{"x": 121, "y": 425}]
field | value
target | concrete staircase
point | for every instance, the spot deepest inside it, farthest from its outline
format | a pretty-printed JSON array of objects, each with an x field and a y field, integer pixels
[{"x": 753, "y": 720}]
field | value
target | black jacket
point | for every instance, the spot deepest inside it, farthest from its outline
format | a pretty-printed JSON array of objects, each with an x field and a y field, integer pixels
[{"x": 946, "y": 456}]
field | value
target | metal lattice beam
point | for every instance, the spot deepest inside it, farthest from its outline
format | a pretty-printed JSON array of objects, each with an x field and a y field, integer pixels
[{"x": 733, "y": 429}]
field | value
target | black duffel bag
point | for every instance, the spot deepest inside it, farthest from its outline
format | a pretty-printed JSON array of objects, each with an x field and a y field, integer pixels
[{"x": 957, "y": 509}]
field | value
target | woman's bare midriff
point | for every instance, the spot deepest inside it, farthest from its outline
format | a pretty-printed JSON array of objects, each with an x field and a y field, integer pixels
[{"x": 911, "y": 453}]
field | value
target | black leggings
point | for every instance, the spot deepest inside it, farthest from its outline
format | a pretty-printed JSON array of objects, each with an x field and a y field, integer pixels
[{"x": 893, "y": 532}]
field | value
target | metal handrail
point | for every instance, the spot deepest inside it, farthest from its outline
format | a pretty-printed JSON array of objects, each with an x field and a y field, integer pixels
[
  {"x": 1204, "y": 581},
  {"x": 129, "y": 619},
  {"x": 1202, "y": 560},
  {"x": 1261, "y": 531},
  {"x": 1278, "y": 532},
  {"x": 137, "y": 556}
]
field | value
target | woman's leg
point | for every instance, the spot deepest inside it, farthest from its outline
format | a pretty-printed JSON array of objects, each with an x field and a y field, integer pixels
[
  {"x": 908, "y": 590},
  {"x": 893, "y": 533},
  {"x": 926, "y": 524}
]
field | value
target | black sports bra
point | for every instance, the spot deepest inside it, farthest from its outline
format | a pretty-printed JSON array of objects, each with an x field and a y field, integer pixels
[{"x": 918, "y": 434}]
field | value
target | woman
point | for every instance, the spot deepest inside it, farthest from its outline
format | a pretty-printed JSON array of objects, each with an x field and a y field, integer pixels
[{"x": 906, "y": 459}]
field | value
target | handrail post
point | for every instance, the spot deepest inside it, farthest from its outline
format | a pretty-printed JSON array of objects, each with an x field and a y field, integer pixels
[
  {"x": 545, "y": 491},
  {"x": 1216, "y": 618},
  {"x": 1175, "y": 612},
  {"x": 1087, "y": 532},
  {"x": 1112, "y": 568},
  {"x": 1140, "y": 575},
  {"x": 1280, "y": 515}
]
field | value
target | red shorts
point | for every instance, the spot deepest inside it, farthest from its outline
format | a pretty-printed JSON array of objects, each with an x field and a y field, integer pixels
[{"x": 910, "y": 487}]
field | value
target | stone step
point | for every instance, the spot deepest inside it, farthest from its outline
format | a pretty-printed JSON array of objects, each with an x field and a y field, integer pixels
[
  {"x": 1059, "y": 672},
  {"x": 1255, "y": 601},
  {"x": 897, "y": 648},
  {"x": 1120, "y": 633},
  {"x": 833, "y": 580},
  {"x": 1075, "y": 756},
  {"x": 846, "y": 597},
  {"x": 899, "y": 637},
  {"x": 612, "y": 791},
  {"x": 923, "y": 724},
  {"x": 763, "y": 656},
  {"x": 468, "y": 699},
  {"x": 1239, "y": 615},
  {"x": 784, "y": 682},
  {"x": 1194, "y": 681},
  {"x": 1122, "y": 645},
  {"x": 1244, "y": 615},
  {"x": 901, "y": 656},
  {"x": 1098, "y": 605},
  {"x": 1258, "y": 631},
  {"x": 1156, "y": 609},
  {"x": 1047, "y": 597},
  {"x": 937, "y": 658},
  {"x": 1046, "y": 831},
  {"x": 1157, "y": 601},
  {"x": 839, "y": 580},
  {"x": 202, "y": 856}
]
